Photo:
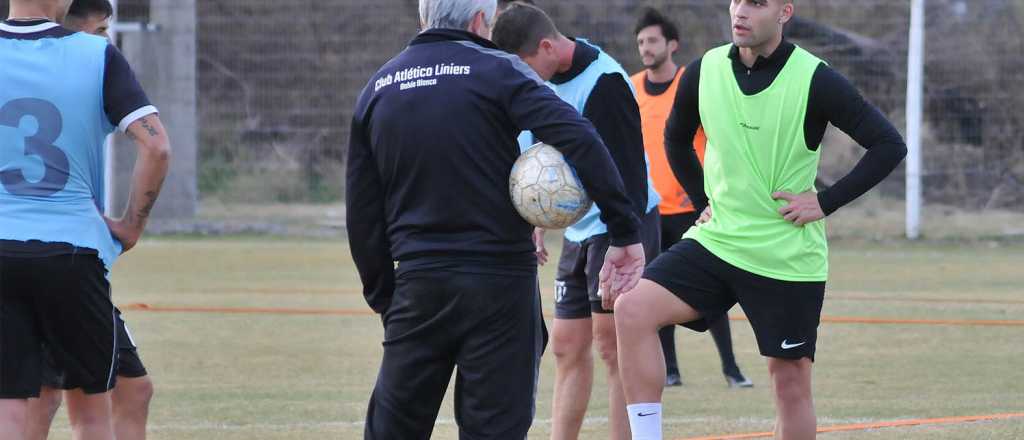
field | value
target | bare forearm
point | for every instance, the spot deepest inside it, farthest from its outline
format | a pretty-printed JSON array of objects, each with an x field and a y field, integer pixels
[
  {"x": 147, "y": 180},
  {"x": 150, "y": 170}
]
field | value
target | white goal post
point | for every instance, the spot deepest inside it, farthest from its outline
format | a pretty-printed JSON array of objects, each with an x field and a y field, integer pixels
[{"x": 915, "y": 94}]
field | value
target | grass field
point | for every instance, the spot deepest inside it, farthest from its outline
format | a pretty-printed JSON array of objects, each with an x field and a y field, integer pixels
[{"x": 279, "y": 376}]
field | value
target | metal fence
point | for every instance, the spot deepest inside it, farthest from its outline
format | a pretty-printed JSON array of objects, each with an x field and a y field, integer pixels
[
  {"x": 277, "y": 82},
  {"x": 277, "y": 88}
]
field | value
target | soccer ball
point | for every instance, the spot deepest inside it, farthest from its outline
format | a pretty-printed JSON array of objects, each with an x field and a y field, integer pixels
[{"x": 545, "y": 189}]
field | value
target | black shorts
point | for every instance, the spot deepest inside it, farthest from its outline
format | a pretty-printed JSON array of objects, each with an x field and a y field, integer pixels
[
  {"x": 129, "y": 364},
  {"x": 579, "y": 270},
  {"x": 783, "y": 314},
  {"x": 64, "y": 302},
  {"x": 674, "y": 226}
]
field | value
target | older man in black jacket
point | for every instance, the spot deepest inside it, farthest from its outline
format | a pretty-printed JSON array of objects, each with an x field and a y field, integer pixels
[{"x": 432, "y": 145}]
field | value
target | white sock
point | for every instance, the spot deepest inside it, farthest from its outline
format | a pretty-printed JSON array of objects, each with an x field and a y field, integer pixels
[{"x": 645, "y": 421}]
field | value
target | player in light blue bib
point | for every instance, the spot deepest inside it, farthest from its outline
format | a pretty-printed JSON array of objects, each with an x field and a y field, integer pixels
[
  {"x": 596, "y": 85},
  {"x": 63, "y": 93}
]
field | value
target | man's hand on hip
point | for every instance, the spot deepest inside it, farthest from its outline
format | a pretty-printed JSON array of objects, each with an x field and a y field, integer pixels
[
  {"x": 802, "y": 208},
  {"x": 705, "y": 216}
]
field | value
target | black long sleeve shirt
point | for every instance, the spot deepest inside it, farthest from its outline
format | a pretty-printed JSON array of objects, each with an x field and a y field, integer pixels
[
  {"x": 612, "y": 108},
  {"x": 432, "y": 145},
  {"x": 833, "y": 99}
]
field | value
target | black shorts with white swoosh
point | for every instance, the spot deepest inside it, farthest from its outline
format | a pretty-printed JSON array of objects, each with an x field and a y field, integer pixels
[{"x": 783, "y": 314}]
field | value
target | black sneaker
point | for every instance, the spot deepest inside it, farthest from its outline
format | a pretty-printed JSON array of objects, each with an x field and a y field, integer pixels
[
  {"x": 673, "y": 380},
  {"x": 738, "y": 381}
]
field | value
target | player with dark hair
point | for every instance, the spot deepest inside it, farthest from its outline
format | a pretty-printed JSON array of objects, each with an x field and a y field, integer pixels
[
  {"x": 597, "y": 86},
  {"x": 59, "y": 102},
  {"x": 657, "y": 39},
  {"x": 764, "y": 104},
  {"x": 432, "y": 146},
  {"x": 90, "y": 16}
]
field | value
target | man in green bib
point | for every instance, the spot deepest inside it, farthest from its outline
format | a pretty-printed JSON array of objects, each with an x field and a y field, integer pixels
[{"x": 764, "y": 104}]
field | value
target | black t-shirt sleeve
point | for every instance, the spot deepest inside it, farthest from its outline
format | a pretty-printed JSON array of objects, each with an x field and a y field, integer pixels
[
  {"x": 833, "y": 99},
  {"x": 124, "y": 101},
  {"x": 613, "y": 110},
  {"x": 680, "y": 129}
]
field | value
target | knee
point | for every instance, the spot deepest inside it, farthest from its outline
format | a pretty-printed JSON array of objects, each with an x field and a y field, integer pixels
[
  {"x": 632, "y": 313},
  {"x": 570, "y": 348},
  {"x": 143, "y": 393},
  {"x": 627, "y": 310},
  {"x": 791, "y": 379},
  {"x": 136, "y": 396}
]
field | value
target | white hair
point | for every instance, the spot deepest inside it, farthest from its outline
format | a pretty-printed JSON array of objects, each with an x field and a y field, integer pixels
[{"x": 455, "y": 14}]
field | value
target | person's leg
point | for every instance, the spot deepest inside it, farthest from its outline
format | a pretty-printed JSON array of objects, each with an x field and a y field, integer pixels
[
  {"x": 90, "y": 415},
  {"x": 722, "y": 334},
  {"x": 20, "y": 346},
  {"x": 679, "y": 287},
  {"x": 13, "y": 417},
  {"x": 791, "y": 386},
  {"x": 604, "y": 321},
  {"x": 418, "y": 358},
  {"x": 785, "y": 316},
  {"x": 77, "y": 320},
  {"x": 134, "y": 389},
  {"x": 131, "y": 399},
  {"x": 672, "y": 229},
  {"x": 604, "y": 337},
  {"x": 571, "y": 342},
  {"x": 41, "y": 412},
  {"x": 574, "y": 375},
  {"x": 499, "y": 358},
  {"x": 667, "y": 335},
  {"x": 408, "y": 393},
  {"x": 639, "y": 315}
]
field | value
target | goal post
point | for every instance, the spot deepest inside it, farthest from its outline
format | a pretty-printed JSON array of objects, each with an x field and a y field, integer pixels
[{"x": 915, "y": 94}]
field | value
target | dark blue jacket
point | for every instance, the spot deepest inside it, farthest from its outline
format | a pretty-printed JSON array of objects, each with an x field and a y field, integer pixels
[{"x": 432, "y": 145}]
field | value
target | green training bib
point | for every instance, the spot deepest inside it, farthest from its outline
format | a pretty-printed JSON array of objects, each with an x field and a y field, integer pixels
[{"x": 755, "y": 147}]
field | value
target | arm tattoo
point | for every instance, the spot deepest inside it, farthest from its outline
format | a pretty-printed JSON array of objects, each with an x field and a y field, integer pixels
[
  {"x": 149, "y": 128},
  {"x": 148, "y": 206},
  {"x": 149, "y": 200}
]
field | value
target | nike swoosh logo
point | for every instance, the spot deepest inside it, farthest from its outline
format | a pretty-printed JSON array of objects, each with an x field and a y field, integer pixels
[
  {"x": 645, "y": 415},
  {"x": 786, "y": 345}
]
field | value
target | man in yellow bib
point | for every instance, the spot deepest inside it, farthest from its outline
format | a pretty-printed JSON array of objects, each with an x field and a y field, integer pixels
[{"x": 764, "y": 104}]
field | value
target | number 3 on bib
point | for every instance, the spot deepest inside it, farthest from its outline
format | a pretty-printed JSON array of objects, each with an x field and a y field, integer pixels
[{"x": 50, "y": 124}]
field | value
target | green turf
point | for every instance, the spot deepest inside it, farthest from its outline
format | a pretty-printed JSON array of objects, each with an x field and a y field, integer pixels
[{"x": 229, "y": 376}]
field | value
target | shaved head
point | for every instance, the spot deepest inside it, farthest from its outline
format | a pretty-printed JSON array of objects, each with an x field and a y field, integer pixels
[
  {"x": 521, "y": 27},
  {"x": 52, "y": 9}
]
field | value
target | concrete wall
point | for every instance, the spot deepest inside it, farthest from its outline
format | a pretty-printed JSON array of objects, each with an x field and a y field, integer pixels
[{"x": 164, "y": 61}]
